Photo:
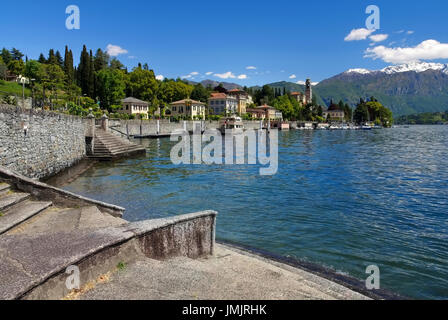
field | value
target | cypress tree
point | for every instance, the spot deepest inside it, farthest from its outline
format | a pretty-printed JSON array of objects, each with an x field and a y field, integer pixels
[
  {"x": 59, "y": 60},
  {"x": 42, "y": 59},
  {"x": 52, "y": 57},
  {"x": 68, "y": 66},
  {"x": 84, "y": 71},
  {"x": 91, "y": 83}
]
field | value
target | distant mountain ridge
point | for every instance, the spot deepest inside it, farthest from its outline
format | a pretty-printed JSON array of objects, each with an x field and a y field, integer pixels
[
  {"x": 406, "y": 89},
  {"x": 213, "y": 84}
]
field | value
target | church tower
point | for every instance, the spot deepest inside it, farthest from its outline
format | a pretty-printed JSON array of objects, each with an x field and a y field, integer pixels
[{"x": 309, "y": 91}]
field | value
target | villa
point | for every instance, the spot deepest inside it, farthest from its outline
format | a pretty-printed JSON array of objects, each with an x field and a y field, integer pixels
[
  {"x": 188, "y": 108},
  {"x": 133, "y": 106},
  {"x": 265, "y": 112},
  {"x": 222, "y": 104},
  {"x": 334, "y": 113},
  {"x": 242, "y": 98}
]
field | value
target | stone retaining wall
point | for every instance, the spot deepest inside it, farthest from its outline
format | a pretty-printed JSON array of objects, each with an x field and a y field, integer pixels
[
  {"x": 39, "y": 144},
  {"x": 149, "y": 127}
]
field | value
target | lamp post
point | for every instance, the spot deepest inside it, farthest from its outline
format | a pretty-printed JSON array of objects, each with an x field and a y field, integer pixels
[{"x": 23, "y": 81}]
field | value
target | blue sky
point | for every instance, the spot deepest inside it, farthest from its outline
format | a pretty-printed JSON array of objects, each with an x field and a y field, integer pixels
[{"x": 284, "y": 40}]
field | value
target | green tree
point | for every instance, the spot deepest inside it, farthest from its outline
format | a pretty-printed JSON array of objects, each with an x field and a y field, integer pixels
[
  {"x": 6, "y": 56},
  {"x": 142, "y": 84},
  {"x": 101, "y": 60},
  {"x": 33, "y": 70},
  {"x": 110, "y": 87},
  {"x": 68, "y": 66},
  {"x": 17, "y": 67},
  {"x": 42, "y": 59},
  {"x": 200, "y": 93},
  {"x": 16, "y": 54}
]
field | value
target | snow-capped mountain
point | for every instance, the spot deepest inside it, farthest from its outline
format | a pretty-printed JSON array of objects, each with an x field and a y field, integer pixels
[
  {"x": 405, "y": 89},
  {"x": 409, "y": 67}
]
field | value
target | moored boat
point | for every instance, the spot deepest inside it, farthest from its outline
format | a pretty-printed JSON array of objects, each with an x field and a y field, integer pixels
[{"x": 232, "y": 124}]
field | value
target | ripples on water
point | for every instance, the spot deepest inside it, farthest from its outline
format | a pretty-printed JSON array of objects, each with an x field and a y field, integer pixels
[{"x": 343, "y": 199}]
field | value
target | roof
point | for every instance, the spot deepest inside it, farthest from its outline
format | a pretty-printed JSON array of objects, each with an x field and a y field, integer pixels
[
  {"x": 264, "y": 107},
  {"x": 133, "y": 100},
  {"x": 218, "y": 95},
  {"x": 184, "y": 101},
  {"x": 334, "y": 107},
  {"x": 296, "y": 93}
]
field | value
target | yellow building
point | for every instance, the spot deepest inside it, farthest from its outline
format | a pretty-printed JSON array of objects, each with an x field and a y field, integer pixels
[
  {"x": 188, "y": 108},
  {"x": 265, "y": 112},
  {"x": 242, "y": 99},
  {"x": 133, "y": 106}
]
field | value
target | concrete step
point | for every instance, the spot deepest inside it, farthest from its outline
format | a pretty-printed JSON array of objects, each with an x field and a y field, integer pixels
[
  {"x": 4, "y": 188},
  {"x": 21, "y": 212},
  {"x": 12, "y": 198},
  {"x": 55, "y": 220}
]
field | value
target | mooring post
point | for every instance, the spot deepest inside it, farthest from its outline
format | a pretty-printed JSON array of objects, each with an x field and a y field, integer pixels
[
  {"x": 90, "y": 135},
  {"x": 104, "y": 122}
]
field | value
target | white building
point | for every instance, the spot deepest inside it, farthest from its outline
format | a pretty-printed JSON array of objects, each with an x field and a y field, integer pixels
[{"x": 222, "y": 104}]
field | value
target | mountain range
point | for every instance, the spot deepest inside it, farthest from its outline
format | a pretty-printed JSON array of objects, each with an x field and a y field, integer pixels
[{"x": 405, "y": 89}]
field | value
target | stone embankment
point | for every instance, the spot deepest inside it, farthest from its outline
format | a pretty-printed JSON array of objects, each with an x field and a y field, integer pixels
[{"x": 45, "y": 230}]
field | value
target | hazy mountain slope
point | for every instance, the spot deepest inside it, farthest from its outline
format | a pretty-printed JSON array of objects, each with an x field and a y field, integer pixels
[{"x": 405, "y": 89}]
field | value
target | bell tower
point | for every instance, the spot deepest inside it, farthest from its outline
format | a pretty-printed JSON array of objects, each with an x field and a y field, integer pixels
[{"x": 309, "y": 91}]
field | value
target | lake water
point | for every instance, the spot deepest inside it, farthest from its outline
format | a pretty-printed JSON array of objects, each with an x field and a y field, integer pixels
[{"x": 341, "y": 199}]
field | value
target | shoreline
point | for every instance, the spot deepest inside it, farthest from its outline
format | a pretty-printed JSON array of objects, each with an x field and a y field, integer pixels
[{"x": 315, "y": 269}]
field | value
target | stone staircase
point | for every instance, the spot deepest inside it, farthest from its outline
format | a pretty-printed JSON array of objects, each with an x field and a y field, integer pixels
[
  {"x": 108, "y": 146},
  {"x": 21, "y": 213},
  {"x": 17, "y": 207}
]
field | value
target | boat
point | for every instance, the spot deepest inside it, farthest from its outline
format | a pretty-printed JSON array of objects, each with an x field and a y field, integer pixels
[
  {"x": 232, "y": 124},
  {"x": 365, "y": 127}
]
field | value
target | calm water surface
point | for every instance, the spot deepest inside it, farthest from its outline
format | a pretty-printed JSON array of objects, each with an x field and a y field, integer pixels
[{"x": 342, "y": 199}]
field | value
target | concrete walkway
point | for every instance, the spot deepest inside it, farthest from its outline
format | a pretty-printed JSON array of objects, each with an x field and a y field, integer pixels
[{"x": 228, "y": 275}]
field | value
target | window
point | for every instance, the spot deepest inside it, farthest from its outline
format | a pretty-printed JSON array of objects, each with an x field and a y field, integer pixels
[{"x": 174, "y": 108}]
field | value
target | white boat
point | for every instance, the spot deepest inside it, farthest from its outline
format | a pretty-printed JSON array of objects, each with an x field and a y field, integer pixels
[{"x": 232, "y": 124}]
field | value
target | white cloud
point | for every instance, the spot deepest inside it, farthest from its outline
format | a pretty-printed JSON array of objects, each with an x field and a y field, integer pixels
[
  {"x": 410, "y": 32},
  {"x": 314, "y": 83},
  {"x": 379, "y": 37},
  {"x": 301, "y": 82},
  {"x": 114, "y": 51},
  {"x": 427, "y": 50},
  {"x": 186, "y": 77},
  {"x": 230, "y": 75},
  {"x": 251, "y": 68},
  {"x": 131, "y": 57},
  {"x": 359, "y": 34},
  {"x": 227, "y": 75},
  {"x": 293, "y": 76},
  {"x": 160, "y": 77},
  {"x": 209, "y": 73},
  {"x": 194, "y": 73}
]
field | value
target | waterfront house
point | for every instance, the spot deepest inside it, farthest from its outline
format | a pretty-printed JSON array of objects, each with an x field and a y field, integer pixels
[
  {"x": 334, "y": 113},
  {"x": 188, "y": 108},
  {"x": 242, "y": 99},
  {"x": 265, "y": 112},
  {"x": 222, "y": 104},
  {"x": 133, "y": 106}
]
